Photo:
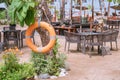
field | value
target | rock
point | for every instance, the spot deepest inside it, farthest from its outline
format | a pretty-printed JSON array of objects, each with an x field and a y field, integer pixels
[
  {"x": 67, "y": 67},
  {"x": 36, "y": 77},
  {"x": 53, "y": 77},
  {"x": 62, "y": 73},
  {"x": 44, "y": 76}
]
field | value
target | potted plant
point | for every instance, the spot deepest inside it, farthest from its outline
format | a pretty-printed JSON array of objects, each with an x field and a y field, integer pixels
[{"x": 22, "y": 12}]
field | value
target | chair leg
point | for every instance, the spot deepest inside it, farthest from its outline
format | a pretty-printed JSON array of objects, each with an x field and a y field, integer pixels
[
  {"x": 1, "y": 47},
  {"x": 90, "y": 49},
  {"x": 116, "y": 45},
  {"x": 21, "y": 42},
  {"x": 111, "y": 45},
  {"x": 65, "y": 45},
  {"x": 17, "y": 44},
  {"x": 68, "y": 46},
  {"x": 78, "y": 46}
]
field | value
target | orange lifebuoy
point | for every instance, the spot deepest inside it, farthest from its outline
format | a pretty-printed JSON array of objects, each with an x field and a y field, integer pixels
[{"x": 52, "y": 34}]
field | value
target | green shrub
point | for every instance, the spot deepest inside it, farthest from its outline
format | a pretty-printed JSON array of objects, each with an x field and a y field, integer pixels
[
  {"x": 2, "y": 14},
  {"x": 50, "y": 64},
  {"x": 13, "y": 70}
]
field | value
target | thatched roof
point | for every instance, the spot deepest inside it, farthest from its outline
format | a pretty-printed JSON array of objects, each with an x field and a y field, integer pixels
[{"x": 116, "y": 7}]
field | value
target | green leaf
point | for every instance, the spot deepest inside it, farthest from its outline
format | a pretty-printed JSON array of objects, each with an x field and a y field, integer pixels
[
  {"x": 23, "y": 14},
  {"x": 31, "y": 4},
  {"x": 109, "y": 0},
  {"x": 20, "y": 18},
  {"x": 30, "y": 17},
  {"x": 20, "y": 6},
  {"x": 22, "y": 23}
]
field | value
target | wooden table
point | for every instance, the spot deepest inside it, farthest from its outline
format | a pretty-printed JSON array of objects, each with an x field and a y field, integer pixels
[
  {"x": 88, "y": 36},
  {"x": 60, "y": 29}
]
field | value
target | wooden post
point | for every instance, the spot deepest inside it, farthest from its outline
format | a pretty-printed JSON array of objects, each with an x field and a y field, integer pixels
[
  {"x": 93, "y": 10},
  {"x": 108, "y": 9},
  {"x": 81, "y": 15},
  {"x": 71, "y": 12}
]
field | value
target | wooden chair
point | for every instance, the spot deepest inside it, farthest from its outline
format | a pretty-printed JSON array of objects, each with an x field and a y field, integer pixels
[
  {"x": 113, "y": 24},
  {"x": 71, "y": 37},
  {"x": 11, "y": 35},
  {"x": 111, "y": 36}
]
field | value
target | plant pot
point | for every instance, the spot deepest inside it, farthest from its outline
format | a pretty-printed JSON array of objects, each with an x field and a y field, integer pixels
[{"x": 12, "y": 26}]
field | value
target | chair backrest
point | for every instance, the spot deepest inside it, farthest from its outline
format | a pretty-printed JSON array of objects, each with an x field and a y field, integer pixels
[
  {"x": 6, "y": 28},
  {"x": 110, "y": 35},
  {"x": 114, "y": 35},
  {"x": 72, "y": 37},
  {"x": 112, "y": 23},
  {"x": 10, "y": 35},
  {"x": 76, "y": 19}
]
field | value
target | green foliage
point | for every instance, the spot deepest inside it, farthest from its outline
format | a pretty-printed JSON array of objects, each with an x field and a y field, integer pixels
[
  {"x": 89, "y": 7},
  {"x": 116, "y": 1},
  {"x": 50, "y": 64},
  {"x": 12, "y": 70},
  {"x": 2, "y": 14},
  {"x": 22, "y": 11},
  {"x": 109, "y": 0},
  {"x": 58, "y": 14}
]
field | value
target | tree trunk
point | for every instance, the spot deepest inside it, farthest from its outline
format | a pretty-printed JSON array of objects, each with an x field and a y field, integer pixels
[
  {"x": 47, "y": 18},
  {"x": 80, "y": 14},
  {"x": 71, "y": 12},
  {"x": 108, "y": 9},
  {"x": 62, "y": 10},
  {"x": 93, "y": 10}
]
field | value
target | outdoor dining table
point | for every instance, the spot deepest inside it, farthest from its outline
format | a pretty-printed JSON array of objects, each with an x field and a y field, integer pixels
[{"x": 85, "y": 36}]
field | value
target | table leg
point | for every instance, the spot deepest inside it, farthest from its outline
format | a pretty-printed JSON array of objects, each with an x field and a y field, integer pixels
[{"x": 84, "y": 45}]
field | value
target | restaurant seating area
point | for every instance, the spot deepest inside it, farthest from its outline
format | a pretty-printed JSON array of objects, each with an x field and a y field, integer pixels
[
  {"x": 84, "y": 37},
  {"x": 90, "y": 34},
  {"x": 10, "y": 38},
  {"x": 59, "y": 40}
]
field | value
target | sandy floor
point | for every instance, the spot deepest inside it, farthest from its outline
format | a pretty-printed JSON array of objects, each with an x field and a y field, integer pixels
[
  {"x": 85, "y": 68},
  {"x": 95, "y": 68}
]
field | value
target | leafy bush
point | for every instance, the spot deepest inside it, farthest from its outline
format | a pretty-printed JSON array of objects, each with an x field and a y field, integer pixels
[
  {"x": 22, "y": 11},
  {"x": 2, "y": 14},
  {"x": 12, "y": 70},
  {"x": 50, "y": 64}
]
